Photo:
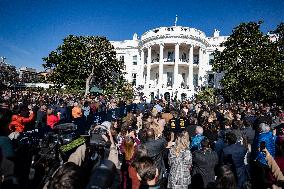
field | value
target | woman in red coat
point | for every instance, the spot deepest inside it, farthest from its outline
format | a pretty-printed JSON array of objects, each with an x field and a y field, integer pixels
[
  {"x": 52, "y": 119},
  {"x": 18, "y": 120}
]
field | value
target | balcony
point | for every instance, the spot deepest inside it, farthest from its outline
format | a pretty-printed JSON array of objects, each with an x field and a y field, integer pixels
[
  {"x": 183, "y": 60},
  {"x": 171, "y": 61}
]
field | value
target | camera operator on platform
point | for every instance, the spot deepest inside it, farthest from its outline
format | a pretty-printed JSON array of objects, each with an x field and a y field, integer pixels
[{"x": 64, "y": 176}]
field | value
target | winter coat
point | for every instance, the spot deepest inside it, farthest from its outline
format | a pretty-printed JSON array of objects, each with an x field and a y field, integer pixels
[
  {"x": 40, "y": 119},
  {"x": 179, "y": 177},
  {"x": 52, "y": 120},
  {"x": 156, "y": 150},
  {"x": 274, "y": 168},
  {"x": 81, "y": 124},
  {"x": 235, "y": 154},
  {"x": 63, "y": 114},
  {"x": 269, "y": 140},
  {"x": 196, "y": 142},
  {"x": 6, "y": 146},
  {"x": 248, "y": 133},
  {"x": 203, "y": 165},
  {"x": 135, "y": 183},
  {"x": 280, "y": 162},
  {"x": 18, "y": 121}
]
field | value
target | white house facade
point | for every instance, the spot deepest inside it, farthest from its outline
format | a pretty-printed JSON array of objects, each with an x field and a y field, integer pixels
[{"x": 170, "y": 60}]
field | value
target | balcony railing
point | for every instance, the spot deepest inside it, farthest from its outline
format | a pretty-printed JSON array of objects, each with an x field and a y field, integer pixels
[
  {"x": 184, "y": 60},
  {"x": 195, "y": 61},
  {"x": 169, "y": 86},
  {"x": 167, "y": 60}
]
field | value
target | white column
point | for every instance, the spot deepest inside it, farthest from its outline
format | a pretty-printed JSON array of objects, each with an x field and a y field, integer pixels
[
  {"x": 142, "y": 57},
  {"x": 200, "y": 68},
  {"x": 176, "y": 84},
  {"x": 142, "y": 66},
  {"x": 161, "y": 64},
  {"x": 148, "y": 67},
  {"x": 205, "y": 67},
  {"x": 190, "y": 67}
]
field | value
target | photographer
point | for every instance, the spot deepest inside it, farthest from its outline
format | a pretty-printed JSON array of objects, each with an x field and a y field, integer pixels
[
  {"x": 105, "y": 173},
  {"x": 101, "y": 142},
  {"x": 70, "y": 173}
]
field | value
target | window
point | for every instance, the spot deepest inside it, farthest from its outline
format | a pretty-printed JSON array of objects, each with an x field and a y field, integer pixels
[
  {"x": 183, "y": 96},
  {"x": 195, "y": 80},
  {"x": 158, "y": 58},
  {"x": 195, "y": 59},
  {"x": 183, "y": 80},
  {"x": 170, "y": 56},
  {"x": 134, "y": 75},
  {"x": 183, "y": 77},
  {"x": 211, "y": 80},
  {"x": 157, "y": 78},
  {"x": 145, "y": 61},
  {"x": 169, "y": 79},
  {"x": 134, "y": 58},
  {"x": 183, "y": 57},
  {"x": 211, "y": 59},
  {"x": 121, "y": 58}
]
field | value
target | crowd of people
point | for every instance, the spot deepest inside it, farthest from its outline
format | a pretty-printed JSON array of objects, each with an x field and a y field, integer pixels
[{"x": 164, "y": 144}]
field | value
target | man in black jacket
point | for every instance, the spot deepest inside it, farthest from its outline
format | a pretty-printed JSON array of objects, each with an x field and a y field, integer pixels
[
  {"x": 156, "y": 150},
  {"x": 234, "y": 155},
  {"x": 41, "y": 120}
]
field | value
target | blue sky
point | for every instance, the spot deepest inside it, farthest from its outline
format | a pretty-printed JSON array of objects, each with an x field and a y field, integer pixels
[{"x": 30, "y": 29}]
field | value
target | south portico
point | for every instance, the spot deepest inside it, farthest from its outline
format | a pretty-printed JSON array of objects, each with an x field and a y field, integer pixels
[
  {"x": 173, "y": 65},
  {"x": 174, "y": 60}
]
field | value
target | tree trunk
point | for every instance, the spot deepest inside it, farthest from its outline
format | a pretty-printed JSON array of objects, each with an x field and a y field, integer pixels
[{"x": 87, "y": 88}]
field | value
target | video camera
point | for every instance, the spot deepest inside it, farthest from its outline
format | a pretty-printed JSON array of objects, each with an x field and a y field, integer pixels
[
  {"x": 97, "y": 133},
  {"x": 49, "y": 151}
]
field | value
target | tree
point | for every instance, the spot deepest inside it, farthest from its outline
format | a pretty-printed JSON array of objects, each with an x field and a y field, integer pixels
[
  {"x": 279, "y": 33},
  {"x": 122, "y": 89},
  {"x": 251, "y": 65},
  {"x": 81, "y": 60},
  {"x": 8, "y": 73},
  {"x": 207, "y": 94}
]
